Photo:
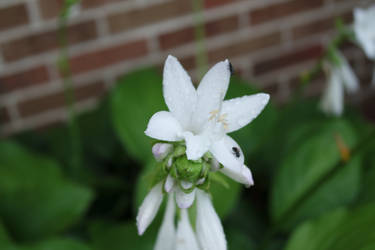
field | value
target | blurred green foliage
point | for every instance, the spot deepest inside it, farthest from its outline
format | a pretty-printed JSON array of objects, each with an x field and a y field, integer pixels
[{"x": 306, "y": 195}]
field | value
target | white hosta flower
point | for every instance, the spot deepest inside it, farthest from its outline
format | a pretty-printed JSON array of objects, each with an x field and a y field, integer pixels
[
  {"x": 340, "y": 77},
  {"x": 201, "y": 118},
  {"x": 167, "y": 232},
  {"x": 364, "y": 22},
  {"x": 194, "y": 131},
  {"x": 210, "y": 232},
  {"x": 186, "y": 239}
]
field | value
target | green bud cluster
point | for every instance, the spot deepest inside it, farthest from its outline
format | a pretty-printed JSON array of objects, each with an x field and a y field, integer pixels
[{"x": 181, "y": 169}]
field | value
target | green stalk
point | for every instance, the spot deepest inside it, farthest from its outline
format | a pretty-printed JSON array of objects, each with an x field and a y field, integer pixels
[
  {"x": 75, "y": 162},
  {"x": 344, "y": 35},
  {"x": 199, "y": 31}
]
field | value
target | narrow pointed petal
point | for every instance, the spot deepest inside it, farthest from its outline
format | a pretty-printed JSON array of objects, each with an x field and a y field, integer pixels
[
  {"x": 242, "y": 175},
  {"x": 167, "y": 233},
  {"x": 163, "y": 126},
  {"x": 185, "y": 239},
  {"x": 184, "y": 200},
  {"x": 169, "y": 183},
  {"x": 211, "y": 92},
  {"x": 348, "y": 77},
  {"x": 210, "y": 232},
  {"x": 230, "y": 155},
  {"x": 149, "y": 208},
  {"x": 179, "y": 92},
  {"x": 333, "y": 98},
  {"x": 196, "y": 145},
  {"x": 239, "y": 112}
]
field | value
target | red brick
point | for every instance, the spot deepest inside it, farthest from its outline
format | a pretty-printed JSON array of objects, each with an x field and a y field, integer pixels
[
  {"x": 286, "y": 60},
  {"x": 30, "y": 77},
  {"x": 47, "y": 41},
  {"x": 283, "y": 9},
  {"x": 54, "y": 101},
  {"x": 4, "y": 116},
  {"x": 108, "y": 56},
  {"x": 96, "y": 3},
  {"x": 244, "y": 47},
  {"x": 216, "y": 3},
  {"x": 186, "y": 35},
  {"x": 13, "y": 16},
  {"x": 136, "y": 18},
  {"x": 50, "y": 8},
  {"x": 319, "y": 26}
]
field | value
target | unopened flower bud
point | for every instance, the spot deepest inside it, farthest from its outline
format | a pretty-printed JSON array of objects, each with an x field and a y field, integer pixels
[{"x": 161, "y": 150}]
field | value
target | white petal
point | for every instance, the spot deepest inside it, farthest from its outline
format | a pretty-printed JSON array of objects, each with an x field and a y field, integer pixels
[
  {"x": 163, "y": 126},
  {"x": 196, "y": 145},
  {"x": 186, "y": 184},
  {"x": 184, "y": 200},
  {"x": 185, "y": 235},
  {"x": 161, "y": 150},
  {"x": 210, "y": 232},
  {"x": 228, "y": 153},
  {"x": 239, "y": 112},
  {"x": 167, "y": 233},
  {"x": 149, "y": 208},
  {"x": 211, "y": 92},
  {"x": 364, "y": 20},
  {"x": 179, "y": 92},
  {"x": 347, "y": 75},
  {"x": 169, "y": 183},
  {"x": 242, "y": 175},
  {"x": 333, "y": 97}
]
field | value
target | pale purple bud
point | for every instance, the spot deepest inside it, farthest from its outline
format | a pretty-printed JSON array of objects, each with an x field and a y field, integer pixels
[{"x": 161, "y": 150}]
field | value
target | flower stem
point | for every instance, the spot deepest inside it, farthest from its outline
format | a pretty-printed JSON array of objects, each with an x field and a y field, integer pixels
[
  {"x": 199, "y": 30},
  {"x": 345, "y": 34},
  {"x": 64, "y": 67},
  {"x": 276, "y": 227}
]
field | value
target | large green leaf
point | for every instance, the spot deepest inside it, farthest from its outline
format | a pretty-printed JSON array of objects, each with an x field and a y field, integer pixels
[
  {"x": 253, "y": 137},
  {"x": 225, "y": 198},
  {"x": 292, "y": 198},
  {"x": 107, "y": 236},
  {"x": 57, "y": 244},
  {"x": 36, "y": 200},
  {"x": 134, "y": 100},
  {"x": 341, "y": 230}
]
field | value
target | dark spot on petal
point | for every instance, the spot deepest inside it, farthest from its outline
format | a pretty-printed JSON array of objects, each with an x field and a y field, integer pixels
[
  {"x": 236, "y": 152},
  {"x": 231, "y": 69}
]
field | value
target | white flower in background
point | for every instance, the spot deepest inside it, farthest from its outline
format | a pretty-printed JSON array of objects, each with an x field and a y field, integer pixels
[
  {"x": 364, "y": 23},
  {"x": 340, "y": 77},
  {"x": 194, "y": 144},
  {"x": 364, "y": 28}
]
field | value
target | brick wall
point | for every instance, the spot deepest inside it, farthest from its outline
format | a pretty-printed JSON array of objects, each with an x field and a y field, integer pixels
[{"x": 268, "y": 41}]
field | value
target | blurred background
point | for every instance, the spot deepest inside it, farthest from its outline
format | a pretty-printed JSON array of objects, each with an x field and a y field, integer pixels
[
  {"x": 269, "y": 42},
  {"x": 77, "y": 90}
]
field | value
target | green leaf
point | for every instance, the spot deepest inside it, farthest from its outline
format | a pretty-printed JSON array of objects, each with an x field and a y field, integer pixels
[
  {"x": 225, "y": 198},
  {"x": 36, "y": 200},
  {"x": 341, "y": 230},
  {"x": 107, "y": 236},
  {"x": 133, "y": 101},
  {"x": 57, "y": 244},
  {"x": 255, "y": 136},
  {"x": 4, "y": 237},
  {"x": 305, "y": 166}
]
